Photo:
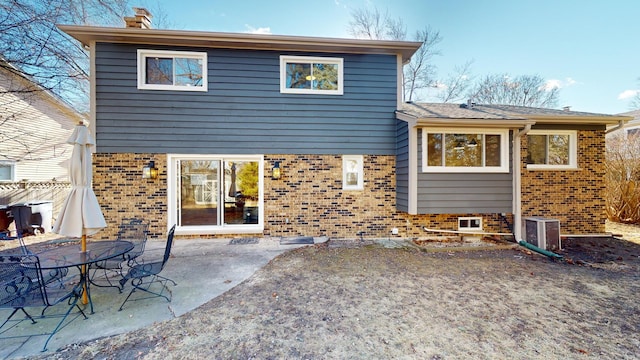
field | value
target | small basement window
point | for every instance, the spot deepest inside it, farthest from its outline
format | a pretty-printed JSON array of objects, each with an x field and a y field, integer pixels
[
  {"x": 470, "y": 224},
  {"x": 172, "y": 70}
]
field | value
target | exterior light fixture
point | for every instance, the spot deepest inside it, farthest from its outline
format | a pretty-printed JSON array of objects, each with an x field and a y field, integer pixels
[
  {"x": 275, "y": 171},
  {"x": 473, "y": 143},
  {"x": 150, "y": 171}
]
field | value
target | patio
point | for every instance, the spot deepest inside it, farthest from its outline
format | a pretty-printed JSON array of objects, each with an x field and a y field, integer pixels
[{"x": 203, "y": 270}]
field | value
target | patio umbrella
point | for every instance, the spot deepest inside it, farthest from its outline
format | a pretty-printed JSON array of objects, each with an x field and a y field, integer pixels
[{"x": 80, "y": 214}]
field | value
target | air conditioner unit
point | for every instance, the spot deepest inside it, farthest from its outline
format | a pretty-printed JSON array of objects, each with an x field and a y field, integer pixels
[{"x": 543, "y": 233}]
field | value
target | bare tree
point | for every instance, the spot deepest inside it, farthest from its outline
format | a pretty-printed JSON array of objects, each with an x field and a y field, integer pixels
[
  {"x": 31, "y": 43},
  {"x": 420, "y": 72},
  {"x": 622, "y": 178},
  {"x": 372, "y": 24},
  {"x": 456, "y": 85},
  {"x": 522, "y": 90},
  {"x": 38, "y": 62}
]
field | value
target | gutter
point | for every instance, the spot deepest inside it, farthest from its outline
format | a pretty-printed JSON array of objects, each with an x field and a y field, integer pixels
[
  {"x": 615, "y": 128},
  {"x": 517, "y": 184}
]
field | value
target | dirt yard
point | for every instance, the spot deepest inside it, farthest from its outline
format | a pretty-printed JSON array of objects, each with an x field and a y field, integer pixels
[{"x": 361, "y": 301}]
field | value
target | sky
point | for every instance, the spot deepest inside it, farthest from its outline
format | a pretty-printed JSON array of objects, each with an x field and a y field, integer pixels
[{"x": 588, "y": 48}]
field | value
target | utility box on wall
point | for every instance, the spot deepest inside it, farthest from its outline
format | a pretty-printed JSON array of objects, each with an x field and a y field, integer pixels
[{"x": 543, "y": 233}]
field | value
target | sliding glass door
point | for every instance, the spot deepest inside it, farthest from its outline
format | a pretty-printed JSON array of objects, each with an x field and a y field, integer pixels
[{"x": 211, "y": 194}]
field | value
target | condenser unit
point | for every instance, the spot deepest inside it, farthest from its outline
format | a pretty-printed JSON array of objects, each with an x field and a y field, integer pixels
[{"x": 543, "y": 232}]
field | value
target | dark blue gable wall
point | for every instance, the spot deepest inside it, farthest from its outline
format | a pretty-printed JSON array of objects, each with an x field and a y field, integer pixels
[{"x": 244, "y": 112}]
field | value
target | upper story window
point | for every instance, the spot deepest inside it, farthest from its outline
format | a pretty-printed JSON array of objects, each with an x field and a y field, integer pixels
[
  {"x": 7, "y": 170},
  {"x": 172, "y": 70},
  {"x": 465, "y": 150},
  {"x": 311, "y": 75},
  {"x": 552, "y": 149}
]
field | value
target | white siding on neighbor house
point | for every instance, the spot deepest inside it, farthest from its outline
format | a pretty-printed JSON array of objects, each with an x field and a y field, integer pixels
[{"x": 35, "y": 128}]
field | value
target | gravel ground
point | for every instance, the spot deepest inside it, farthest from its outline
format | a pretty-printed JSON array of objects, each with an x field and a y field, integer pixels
[{"x": 361, "y": 300}]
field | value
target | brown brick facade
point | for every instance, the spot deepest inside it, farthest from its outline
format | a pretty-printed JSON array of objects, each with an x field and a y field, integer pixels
[
  {"x": 308, "y": 199},
  {"x": 123, "y": 193},
  {"x": 575, "y": 197}
]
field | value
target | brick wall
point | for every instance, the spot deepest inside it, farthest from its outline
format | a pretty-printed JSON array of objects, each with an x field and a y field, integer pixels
[
  {"x": 308, "y": 200},
  {"x": 575, "y": 197},
  {"x": 123, "y": 193}
]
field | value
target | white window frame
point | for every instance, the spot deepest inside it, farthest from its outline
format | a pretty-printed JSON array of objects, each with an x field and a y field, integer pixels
[
  {"x": 284, "y": 59},
  {"x": 172, "y": 199},
  {"x": 12, "y": 170},
  {"x": 504, "y": 152},
  {"x": 359, "y": 170},
  {"x": 573, "y": 150},
  {"x": 469, "y": 227},
  {"x": 142, "y": 71}
]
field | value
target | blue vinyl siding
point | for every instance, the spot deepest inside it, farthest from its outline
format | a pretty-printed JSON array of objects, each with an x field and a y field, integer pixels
[
  {"x": 402, "y": 166},
  {"x": 464, "y": 193},
  {"x": 244, "y": 112}
]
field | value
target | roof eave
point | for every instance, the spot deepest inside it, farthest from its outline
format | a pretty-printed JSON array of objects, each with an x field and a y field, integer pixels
[
  {"x": 466, "y": 123},
  {"x": 88, "y": 34},
  {"x": 582, "y": 120}
]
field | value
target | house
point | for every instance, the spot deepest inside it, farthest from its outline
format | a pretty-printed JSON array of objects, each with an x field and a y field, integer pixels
[
  {"x": 35, "y": 126},
  {"x": 34, "y": 154},
  {"x": 630, "y": 128},
  {"x": 265, "y": 135},
  {"x": 489, "y": 162}
]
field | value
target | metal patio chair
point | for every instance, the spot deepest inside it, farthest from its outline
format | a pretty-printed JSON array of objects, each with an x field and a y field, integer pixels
[
  {"x": 132, "y": 230},
  {"x": 143, "y": 274},
  {"x": 50, "y": 276},
  {"x": 22, "y": 285}
]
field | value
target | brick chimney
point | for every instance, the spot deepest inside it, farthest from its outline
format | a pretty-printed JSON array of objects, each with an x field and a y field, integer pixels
[{"x": 142, "y": 19}]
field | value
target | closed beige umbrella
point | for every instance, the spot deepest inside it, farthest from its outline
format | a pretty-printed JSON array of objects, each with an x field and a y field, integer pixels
[{"x": 80, "y": 214}]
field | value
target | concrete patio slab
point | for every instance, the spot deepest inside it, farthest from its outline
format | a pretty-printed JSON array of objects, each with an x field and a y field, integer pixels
[{"x": 202, "y": 268}]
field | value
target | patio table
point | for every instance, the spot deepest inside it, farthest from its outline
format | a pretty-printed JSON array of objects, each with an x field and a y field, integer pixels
[{"x": 67, "y": 256}]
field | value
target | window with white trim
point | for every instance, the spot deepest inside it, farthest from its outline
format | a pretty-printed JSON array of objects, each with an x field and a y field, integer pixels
[
  {"x": 311, "y": 75},
  {"x": 352, "y": 172},
  {"x": 469, "y": 224},
  {"x": 172, "y": 70},
  {"x": 552, "y": 149},
  {"x": 7, "y": 170},
  {"x": 465, "y": 150},
  {"x": 216, "y": 194}
]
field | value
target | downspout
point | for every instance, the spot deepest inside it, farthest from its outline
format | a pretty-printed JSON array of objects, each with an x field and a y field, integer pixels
[
  {"x": 617, "y": 127},
  {"x": 517, "y": 184},
  {"x": 517, "y": 197}
]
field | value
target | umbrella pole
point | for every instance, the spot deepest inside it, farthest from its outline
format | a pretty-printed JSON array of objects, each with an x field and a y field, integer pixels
[{"x": 83, "y": 247}]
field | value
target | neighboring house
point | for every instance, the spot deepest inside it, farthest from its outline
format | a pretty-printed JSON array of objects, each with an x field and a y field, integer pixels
[
  {"x": 630, "y": 128},
  {"x": 35, "y": 125},
  {"x": 265, "y": 135}
]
